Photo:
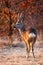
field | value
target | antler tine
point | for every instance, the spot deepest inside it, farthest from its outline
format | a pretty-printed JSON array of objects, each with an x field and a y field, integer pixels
[
  {"x": 18, "y": 16},
  {"x": 21, "y": 15}
]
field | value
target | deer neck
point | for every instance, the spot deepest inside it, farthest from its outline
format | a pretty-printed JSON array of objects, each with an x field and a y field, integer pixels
[{"x": 21, "y": 30}]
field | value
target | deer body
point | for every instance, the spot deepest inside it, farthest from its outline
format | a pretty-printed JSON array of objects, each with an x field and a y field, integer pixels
[{"x": 29, "y": 37}]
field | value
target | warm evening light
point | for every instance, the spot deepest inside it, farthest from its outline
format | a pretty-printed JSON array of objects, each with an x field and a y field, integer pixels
[{"x": 21, "y": 32}]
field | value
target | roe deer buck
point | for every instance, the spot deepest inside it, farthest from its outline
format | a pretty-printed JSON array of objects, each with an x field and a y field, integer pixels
[{"x": 29, "y": 38}]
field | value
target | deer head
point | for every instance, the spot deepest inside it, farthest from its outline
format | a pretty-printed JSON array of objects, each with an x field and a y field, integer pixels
[{"x": 19, "y": 24}]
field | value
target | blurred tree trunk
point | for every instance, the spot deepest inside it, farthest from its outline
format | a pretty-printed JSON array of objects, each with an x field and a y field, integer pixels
[{"x": 10, "y": 24}]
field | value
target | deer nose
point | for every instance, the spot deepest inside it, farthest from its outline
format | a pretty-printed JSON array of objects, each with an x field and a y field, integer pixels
[{"x": 14, "y": 26}]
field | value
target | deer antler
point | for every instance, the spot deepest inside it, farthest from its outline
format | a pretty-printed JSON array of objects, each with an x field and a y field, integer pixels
[{"x": 19, "y": 17}]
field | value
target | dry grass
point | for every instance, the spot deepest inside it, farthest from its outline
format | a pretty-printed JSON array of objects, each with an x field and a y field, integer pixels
[{"x": 16, "y": 56}]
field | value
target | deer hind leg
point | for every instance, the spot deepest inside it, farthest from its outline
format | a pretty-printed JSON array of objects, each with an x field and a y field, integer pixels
[
  {"x": 33, "y": 47},
  {"x": 33, "y": 50}
]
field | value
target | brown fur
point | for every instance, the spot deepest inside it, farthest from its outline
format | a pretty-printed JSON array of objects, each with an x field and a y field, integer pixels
[{"x": 27, "y": 41}]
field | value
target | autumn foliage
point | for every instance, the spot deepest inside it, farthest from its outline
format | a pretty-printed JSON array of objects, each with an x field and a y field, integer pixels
[{"x": 32, "y": 13}]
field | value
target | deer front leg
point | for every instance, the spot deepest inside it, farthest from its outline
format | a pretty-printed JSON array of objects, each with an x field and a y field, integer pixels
[{"x": 26, "y": 47}]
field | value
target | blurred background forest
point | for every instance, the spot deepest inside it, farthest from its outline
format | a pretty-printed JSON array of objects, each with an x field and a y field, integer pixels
[{"x": 32, "y": 14}]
